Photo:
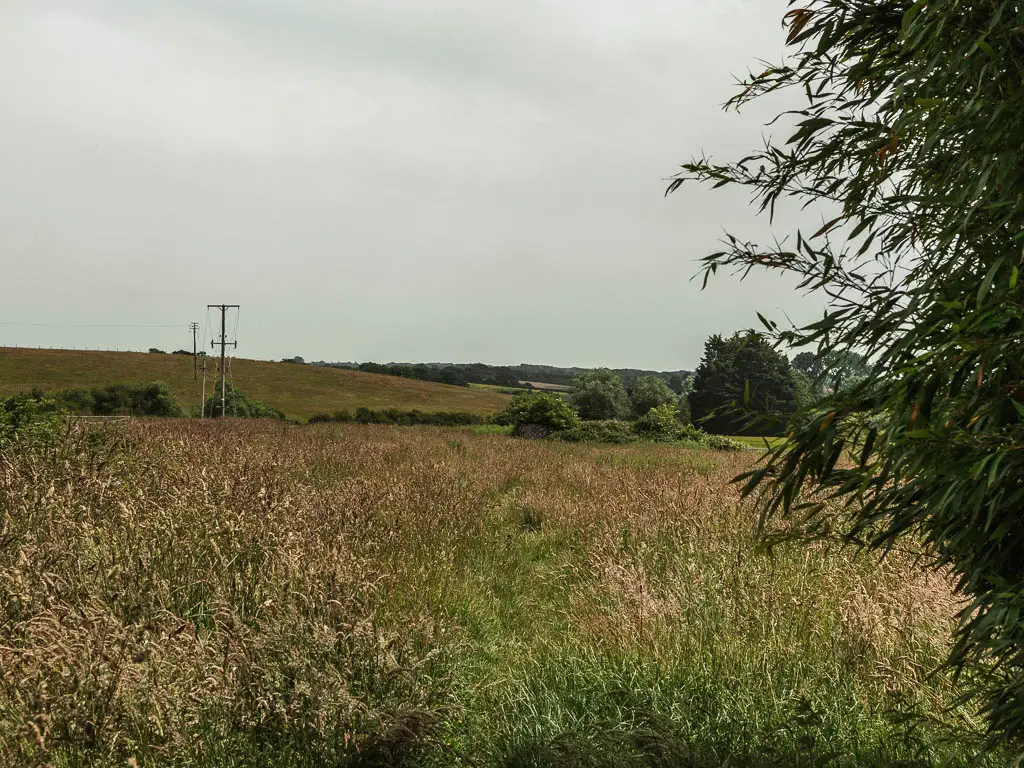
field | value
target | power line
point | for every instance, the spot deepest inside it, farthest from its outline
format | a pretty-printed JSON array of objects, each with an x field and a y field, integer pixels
[{"x": 86, "y": 325}]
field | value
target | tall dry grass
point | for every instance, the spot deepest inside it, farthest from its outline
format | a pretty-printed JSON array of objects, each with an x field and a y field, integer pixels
[{"x": 200, "y": 594}]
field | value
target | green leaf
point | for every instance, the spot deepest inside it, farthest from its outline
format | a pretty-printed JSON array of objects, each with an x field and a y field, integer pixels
[
  {"x": 986, "y": 284},
  {"x": 918, "y": 434}
]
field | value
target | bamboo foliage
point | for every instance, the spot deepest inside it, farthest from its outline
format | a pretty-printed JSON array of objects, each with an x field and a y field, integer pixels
[{"x": 909, "y": 139}]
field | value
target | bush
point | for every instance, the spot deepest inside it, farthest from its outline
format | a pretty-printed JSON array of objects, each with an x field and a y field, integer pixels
[
  {"x": 79, "y": 401},
  {"x": 683, "y": 408},
  {"x": 605, "y": 431},
  {"x": 236, "y": 404},
  {"x": 155, "y": 399},
  {"x": 30, "y": 418},
  {"x": 155, "y": 351},
  {"x": 716, "y": 442},
  {"x": 660, "y": 423},
  {"x": 541, "y": 409}
]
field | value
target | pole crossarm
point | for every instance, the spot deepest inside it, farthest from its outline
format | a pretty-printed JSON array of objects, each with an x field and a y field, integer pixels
[{"x": 224, "y": 343}]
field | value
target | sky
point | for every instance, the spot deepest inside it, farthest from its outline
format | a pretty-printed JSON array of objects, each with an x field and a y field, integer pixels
[{"x": 385, "y": 180}]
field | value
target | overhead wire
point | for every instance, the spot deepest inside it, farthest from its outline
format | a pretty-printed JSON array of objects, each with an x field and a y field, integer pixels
[{"x": 86, "y": 325}]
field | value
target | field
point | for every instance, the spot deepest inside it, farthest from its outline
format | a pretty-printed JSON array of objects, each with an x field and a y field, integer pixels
[
  {"x": 298, "y": 390},
  {"x": 191, "y": 593},
  {"x": 761, "y": 443},
  {"x": 498, "y": 388}
]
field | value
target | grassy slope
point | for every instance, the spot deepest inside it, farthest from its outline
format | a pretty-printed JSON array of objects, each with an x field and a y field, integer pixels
[
  {"x": 373, "y": 596},
  {"x": 298, "y": 390}
]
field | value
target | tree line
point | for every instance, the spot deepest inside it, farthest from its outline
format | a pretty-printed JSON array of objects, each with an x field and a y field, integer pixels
[
  {"x": 743, "y": 386},
  {"x": 509, "y": 376}
]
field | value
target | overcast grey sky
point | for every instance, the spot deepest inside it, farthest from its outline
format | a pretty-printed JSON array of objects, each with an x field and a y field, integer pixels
[{"x": 383, "y": 180}]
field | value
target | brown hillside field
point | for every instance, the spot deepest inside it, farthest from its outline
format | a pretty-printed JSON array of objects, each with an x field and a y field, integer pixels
[
  {"x": 198, "y": 593},
  {"x": 298, "y": 390}
]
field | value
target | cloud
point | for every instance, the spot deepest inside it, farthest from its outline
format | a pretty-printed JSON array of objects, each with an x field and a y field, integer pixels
[{"x": 381, "y": 180}]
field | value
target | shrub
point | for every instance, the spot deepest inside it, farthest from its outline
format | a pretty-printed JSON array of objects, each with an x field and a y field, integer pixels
[
  {"x": 683, "y": 408},
  {"x": 155, "y": 351},
  {"x": 716, "y": 442},
  {"x": 542, "y": 409},
  {"x": 604, "y": 431},
  {"x": 155, "y": 399},
  {"x": 30, "y": 418},
  {"x": 112, "y": 400},
  {"x": 236, "y": 404},
  {"x": 660, "y": 423},
  {"x": 79, "y": 401}
]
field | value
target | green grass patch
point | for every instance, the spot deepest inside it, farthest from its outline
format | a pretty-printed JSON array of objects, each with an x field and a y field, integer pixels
[
  {"x": 492, "y": 429},
  {"x": 758, "y": 442}
]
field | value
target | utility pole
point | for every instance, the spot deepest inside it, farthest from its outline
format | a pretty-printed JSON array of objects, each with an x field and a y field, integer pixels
[
  {"x": 194, "y": 327},
  {"x": 223, "y": 343},
  {"x": 202, "y": 403}
]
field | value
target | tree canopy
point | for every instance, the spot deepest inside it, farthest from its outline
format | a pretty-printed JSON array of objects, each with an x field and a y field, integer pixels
[
  {"x": 649, "y": 392},
  {"x": 600, "y": 394},
  {"x": 743, "y": 386},
  {"x": 831, "y": 371},
  {"x": 908, "y": 145}
]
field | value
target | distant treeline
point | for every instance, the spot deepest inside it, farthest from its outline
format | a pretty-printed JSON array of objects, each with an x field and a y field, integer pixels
[{"x": 464, "y": 374}]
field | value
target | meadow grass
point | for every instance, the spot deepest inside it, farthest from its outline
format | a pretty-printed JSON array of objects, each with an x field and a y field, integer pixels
[
  {"x": 491, "y": 429},
  {"x": 299, "y": 391},
  {"x": 191, "y": 593},
  {"x": 760, "y": 443}
]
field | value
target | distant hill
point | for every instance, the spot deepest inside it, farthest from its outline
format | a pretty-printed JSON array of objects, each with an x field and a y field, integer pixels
[
  {"x": 298, "y": 390},
  {"x": 500, "y": 375}
]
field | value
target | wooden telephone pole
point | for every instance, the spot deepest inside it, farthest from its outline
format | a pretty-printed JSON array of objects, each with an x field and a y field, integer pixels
[{"x": 194, "y": 327}]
